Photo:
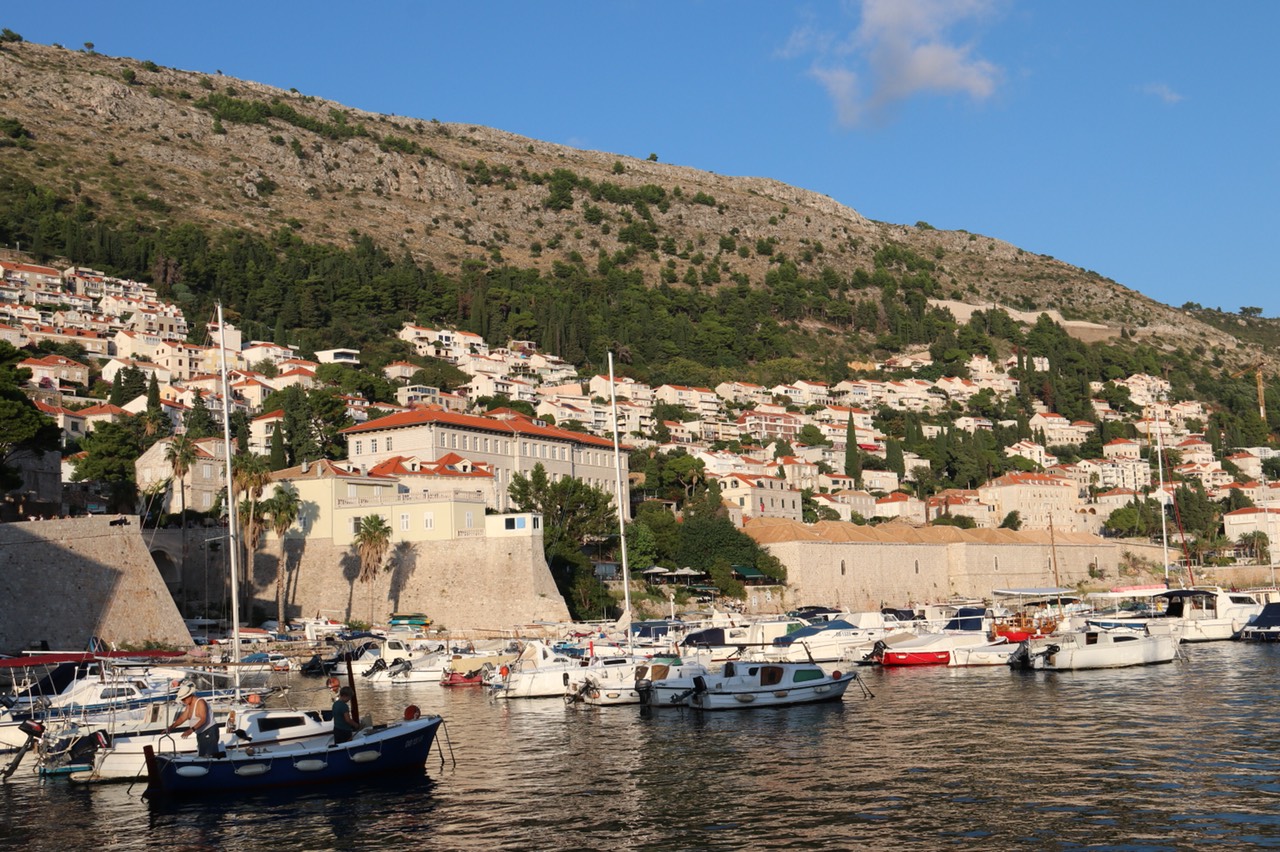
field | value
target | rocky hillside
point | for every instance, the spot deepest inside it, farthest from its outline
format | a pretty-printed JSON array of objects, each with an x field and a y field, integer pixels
[{"x": 160, "y": 145}]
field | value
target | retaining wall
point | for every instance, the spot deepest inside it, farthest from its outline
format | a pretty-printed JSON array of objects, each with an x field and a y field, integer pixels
[{"x": 64, "y": 581}]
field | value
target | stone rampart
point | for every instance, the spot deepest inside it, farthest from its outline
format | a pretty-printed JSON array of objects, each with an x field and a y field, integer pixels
[
  {"x": 479, "y": 584},
  {"x": 869, "y": 575},
  {"x": 64, "y": 581}
]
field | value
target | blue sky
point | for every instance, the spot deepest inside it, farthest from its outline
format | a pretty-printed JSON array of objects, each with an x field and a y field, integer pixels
[{"x": 1137, "y": 139}]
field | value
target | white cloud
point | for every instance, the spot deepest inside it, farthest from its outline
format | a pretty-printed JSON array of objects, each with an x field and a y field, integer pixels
[
  {"x": 1163, "y": 92},
  {"x": 900, "y": 49}
]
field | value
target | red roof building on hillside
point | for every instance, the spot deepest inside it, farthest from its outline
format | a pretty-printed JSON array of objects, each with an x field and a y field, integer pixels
[{"x": 505, "y": 442}]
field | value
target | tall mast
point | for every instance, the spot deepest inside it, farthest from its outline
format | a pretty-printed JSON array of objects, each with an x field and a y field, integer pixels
[
  {"x": 233, "y": 540},
  {"x": 619, "y": 499},
  {"x": 1164, "y": 528}
]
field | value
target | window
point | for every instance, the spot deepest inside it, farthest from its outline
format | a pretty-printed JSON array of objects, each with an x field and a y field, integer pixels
[
  {"x": 388, "y": 443},
  {"x": 442, "y": 439},
  {"x": 359, "y": 447},
  {"x": 355, "y": 524},
  {"x": 428, "y": 520},
  {"x": 404, "y": 522},
  {"x": 373, "y": 445},
  {"x": 351, "y": 489},
  {"x": 470, "y": 520}
]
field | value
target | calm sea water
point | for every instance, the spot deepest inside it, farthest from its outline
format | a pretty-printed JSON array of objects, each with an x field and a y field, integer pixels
[{"x": 1185, "y": 755}]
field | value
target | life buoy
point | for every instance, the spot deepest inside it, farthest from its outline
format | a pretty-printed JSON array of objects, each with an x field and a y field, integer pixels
[{"x": 412, "y": 712}]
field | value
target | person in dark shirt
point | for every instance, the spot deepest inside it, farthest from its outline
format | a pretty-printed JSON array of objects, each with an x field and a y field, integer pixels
[{"x": 343, "y": 725}]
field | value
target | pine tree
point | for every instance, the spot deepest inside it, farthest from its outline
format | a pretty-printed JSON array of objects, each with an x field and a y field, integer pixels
[{"x": 199, "y": 422}]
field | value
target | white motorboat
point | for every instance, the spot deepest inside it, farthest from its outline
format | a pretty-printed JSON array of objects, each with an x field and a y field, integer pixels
[
  {"x": 603, "y": 676},
  {"x": 1264, "y": 628},
  {"x": 1095, "y": 649},
  {"x": 967, "y": 628},
  {"x": 1192, "y": 615},
  {"x": 539, "y": 672},
  {"x": 661, "y": 669},
  {"x": 733, "y": 642},
  {"x": 773, "y": 684},
  {"x": 398, "y": 661},
  {"x": 995, "y": 653},
  {"x": 116, "y": 756},
  {"x": 98, "y": 692},
  {"x": 844, "y": 638},
  {"x": 663, "y": 684}
]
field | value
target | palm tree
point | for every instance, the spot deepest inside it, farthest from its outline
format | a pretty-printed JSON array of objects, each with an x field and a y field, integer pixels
[
  {"x": 249, "y": 475},
  {"x": 283, "y": 508},
  {"x": 1256, "y": 543},
  {"x": 372, "y": 541},
  {"x": 181, "y": 455}
]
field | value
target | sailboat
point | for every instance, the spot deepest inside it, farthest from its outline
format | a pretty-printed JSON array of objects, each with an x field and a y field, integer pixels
[{"x": 612, "y": 680}]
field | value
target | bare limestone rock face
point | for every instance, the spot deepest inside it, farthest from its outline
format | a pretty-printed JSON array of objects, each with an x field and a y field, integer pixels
[
  {"x": 64, "y": 581},
  {"x": 150, "y": 150}
]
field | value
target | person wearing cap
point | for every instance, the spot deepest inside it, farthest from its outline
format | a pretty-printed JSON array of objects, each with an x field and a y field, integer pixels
[{"x": 196, "y": 710}]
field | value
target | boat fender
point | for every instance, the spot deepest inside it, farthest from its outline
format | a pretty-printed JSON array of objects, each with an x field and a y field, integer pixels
[
  {"x": 192, "y": 771},
  {"x": 251, "y": 769},
  {"x": 412, "y": 712},
  {"x": 310, "y": 765}
]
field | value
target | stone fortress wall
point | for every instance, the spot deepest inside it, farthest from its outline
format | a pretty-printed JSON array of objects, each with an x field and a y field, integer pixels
[{"x": 64, "y": 581}]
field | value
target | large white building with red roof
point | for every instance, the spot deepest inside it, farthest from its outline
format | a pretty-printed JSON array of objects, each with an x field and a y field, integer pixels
[
  {"x": 506, "y": 443},
  {"x": 1036, "y": 497}
]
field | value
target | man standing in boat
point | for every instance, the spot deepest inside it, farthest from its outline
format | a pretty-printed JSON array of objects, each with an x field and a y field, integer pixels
[
  {"x": 196, "y": 710},
  {"x": 343, "y": 725}
]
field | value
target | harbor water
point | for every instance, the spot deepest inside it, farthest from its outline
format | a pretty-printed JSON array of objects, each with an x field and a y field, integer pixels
[{"x": 1177, "y": 756}]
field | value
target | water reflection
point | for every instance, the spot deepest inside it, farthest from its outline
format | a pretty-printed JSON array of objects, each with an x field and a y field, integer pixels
[{"x": 1167, "y": 757}]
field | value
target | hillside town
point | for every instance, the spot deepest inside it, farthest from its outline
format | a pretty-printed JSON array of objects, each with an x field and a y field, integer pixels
[{"x": 769, "y": 448}]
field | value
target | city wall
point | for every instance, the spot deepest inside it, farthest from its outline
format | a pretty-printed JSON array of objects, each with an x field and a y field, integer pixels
[
  {"x": 867, "y": 576},
  {"x": 479, "y": 584},
  {"x": 64, "y": 581}
]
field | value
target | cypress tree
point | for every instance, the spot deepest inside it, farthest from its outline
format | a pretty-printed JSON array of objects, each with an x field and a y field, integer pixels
[
  {"x": 277, "y": 460},
  {"x": 153, "y": 396},
  {"x": 852, "y": 455}
]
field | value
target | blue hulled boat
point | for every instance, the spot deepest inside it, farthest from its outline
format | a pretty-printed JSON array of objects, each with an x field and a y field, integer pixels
[{"x": 378, "y": 750}]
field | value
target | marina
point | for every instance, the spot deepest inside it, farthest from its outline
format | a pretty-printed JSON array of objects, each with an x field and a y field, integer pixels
[{"x": 1176, "y": 756}]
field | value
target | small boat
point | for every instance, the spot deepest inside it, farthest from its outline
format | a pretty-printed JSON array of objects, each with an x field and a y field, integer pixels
[
  {"x": 1264, "y": 628},
  {"x": 842, "y": 638},
  {"x": 1095, "y": 649},
  {"x": 474, "y": 677},
  {"x": 400, "y": 662},
  {"x": 1193, "y": 615},
  {"x": 99, "y": 693},
  {"x": 995, "y": 653},
  {"x": 374, "y": 751},
  {"x": 968, "y": 627},
  {"x": 749, "y": 685},
  {"x": 730, "y": 642},
  {"x": 616, "y": 689},
  {"x": 539, "y": 672},
  {"x": 116, "y": 756}
]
